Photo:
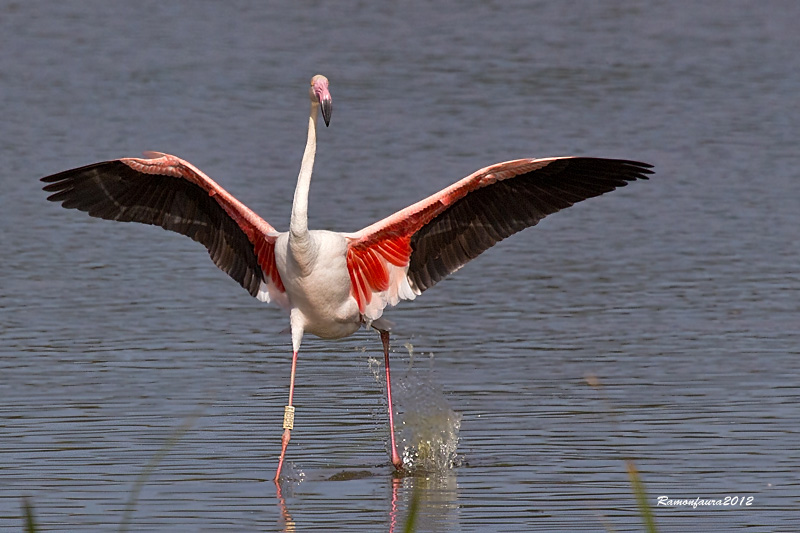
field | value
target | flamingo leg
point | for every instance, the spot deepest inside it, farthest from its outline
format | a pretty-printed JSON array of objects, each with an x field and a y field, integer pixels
[
  {"x": 288, "y": 419},
  {"x": 396, "y": 460}
]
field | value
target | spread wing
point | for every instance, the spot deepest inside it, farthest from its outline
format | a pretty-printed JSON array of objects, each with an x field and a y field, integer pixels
[
  {"x": 406, "y": 253},
  {"x": 169, "y": 192}
]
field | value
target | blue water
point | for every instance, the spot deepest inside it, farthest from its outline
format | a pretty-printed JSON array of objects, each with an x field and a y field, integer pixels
[{"x": 679, "y": 296}]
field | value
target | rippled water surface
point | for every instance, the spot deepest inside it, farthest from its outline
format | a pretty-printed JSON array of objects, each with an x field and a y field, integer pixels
[{"x": 658, "y": 324}]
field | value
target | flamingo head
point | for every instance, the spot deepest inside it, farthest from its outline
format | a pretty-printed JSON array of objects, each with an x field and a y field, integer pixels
[{"x": 319, "y": 93}]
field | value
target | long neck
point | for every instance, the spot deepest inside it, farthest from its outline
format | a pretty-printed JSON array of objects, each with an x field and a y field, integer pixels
[
  {"x": 299, "y": 223},
  {"x": 299, "y": 238}
]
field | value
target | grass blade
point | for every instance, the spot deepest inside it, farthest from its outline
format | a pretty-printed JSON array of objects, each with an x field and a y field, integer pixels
[
  {"x": 641, "y": 497},
  {"x": 30, "y": 522},
  {"x": 150, "y": 468}
]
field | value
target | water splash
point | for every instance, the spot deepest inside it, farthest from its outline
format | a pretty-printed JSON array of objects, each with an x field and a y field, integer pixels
[
  {"x": 291, "y": 475},
  {"x": 426, "y": 425}
]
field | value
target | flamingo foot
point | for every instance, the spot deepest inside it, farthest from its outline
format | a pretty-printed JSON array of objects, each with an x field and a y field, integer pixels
[{"x": 398, "y": 464}]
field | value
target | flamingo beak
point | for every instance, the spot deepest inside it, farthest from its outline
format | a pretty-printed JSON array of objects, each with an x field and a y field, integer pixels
[{"x": 326, "y": 104}]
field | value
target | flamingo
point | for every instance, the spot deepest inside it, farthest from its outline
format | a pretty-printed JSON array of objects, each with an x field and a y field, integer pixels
[{"x": 331, "y": 283}]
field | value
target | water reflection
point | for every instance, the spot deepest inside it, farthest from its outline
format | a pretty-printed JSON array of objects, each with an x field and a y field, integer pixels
[
  {"x": 286, "y": 516},
  {"x": 436, "y": 502},
  {"x": 431, "y": 499}
]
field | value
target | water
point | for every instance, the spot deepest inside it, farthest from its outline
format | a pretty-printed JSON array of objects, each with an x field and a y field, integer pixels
[{"x": 679, "y": 295}]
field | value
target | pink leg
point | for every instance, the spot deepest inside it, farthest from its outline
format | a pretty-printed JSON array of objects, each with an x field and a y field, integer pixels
[
  {"x": 396, "y": 461},
  {"x": 288, "y": 420}
]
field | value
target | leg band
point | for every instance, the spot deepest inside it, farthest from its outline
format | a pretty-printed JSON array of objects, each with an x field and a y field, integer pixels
[{"x": 288, "y": 417}]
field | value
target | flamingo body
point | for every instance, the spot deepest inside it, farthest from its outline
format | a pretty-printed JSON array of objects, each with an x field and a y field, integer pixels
[
  {"x": 333, "y": 283},
  {"x": 321, "y": 299}
]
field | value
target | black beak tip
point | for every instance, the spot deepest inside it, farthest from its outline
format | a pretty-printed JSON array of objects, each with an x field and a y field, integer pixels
[{"x": 327, "y": 108}]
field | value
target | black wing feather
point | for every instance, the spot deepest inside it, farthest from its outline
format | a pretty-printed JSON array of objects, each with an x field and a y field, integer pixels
[
  {"x": 114, "y": 191},
  {"x": 489, "y": 214}
]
